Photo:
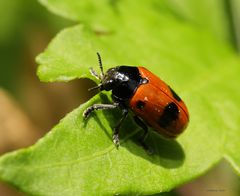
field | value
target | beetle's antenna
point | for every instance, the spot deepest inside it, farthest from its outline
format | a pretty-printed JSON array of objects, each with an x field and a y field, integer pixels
[{"x": 100, "y": 64}]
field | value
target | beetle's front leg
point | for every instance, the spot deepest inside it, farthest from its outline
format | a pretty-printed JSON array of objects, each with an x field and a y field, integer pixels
[{"x": 90, "y": 109}]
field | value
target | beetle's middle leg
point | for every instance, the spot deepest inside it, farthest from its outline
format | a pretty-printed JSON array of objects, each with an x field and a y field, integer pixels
[{"x": 116, "y": 129}]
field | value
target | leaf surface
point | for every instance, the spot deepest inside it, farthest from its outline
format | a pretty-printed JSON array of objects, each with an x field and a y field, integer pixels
[{"x": 78, "y": 157}]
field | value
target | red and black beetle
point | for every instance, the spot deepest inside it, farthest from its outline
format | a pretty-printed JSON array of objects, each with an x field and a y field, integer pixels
[{"x": 151, "y": 100}]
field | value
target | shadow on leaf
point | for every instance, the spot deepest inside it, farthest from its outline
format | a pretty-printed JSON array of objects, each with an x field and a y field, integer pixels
[{"x": 167, "y": 153}]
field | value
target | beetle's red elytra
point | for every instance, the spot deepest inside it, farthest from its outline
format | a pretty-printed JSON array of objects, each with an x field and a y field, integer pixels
[
  {"x": 158, "y": 105},
  {"x": 151, "y": 100}
]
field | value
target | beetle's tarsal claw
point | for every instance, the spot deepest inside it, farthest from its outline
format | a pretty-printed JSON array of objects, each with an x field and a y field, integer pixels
[
  {"x": 116, "y": 140},
  {"x": 86, "y": 113}
]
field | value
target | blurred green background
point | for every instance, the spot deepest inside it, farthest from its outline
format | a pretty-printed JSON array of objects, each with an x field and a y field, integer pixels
[{"x": 28, "y": 108}]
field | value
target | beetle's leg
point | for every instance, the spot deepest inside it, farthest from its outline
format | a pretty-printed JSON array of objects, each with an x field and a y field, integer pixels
[
  {"x": 116, "y": 129},
  {"x": 145, "y": 134},
  {"x": 94, "y": 73},
  {"x": 90, "y": 109},
  {"x": 143, "y": 126}
]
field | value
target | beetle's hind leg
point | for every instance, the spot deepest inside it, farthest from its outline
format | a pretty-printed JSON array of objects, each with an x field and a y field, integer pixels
[
  {"x": 90, "y": 109},
  {"x": 143, "y": 138}
]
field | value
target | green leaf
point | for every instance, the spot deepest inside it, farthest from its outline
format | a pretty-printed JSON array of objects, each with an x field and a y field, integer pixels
[
  {"x": 78, "y": 157},
  {"x": 99, "y": 13},
  {"x": 195, "y": 11}
]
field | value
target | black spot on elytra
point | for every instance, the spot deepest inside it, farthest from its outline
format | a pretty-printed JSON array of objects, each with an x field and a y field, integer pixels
[
  {"x": 140, "y": 105},
  {"x": 174, "y": 94},
  {"x": 170, "y": 114}
]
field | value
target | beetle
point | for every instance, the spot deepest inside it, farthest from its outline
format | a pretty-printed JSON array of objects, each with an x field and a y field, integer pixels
[{"x": 152, "y": 101}]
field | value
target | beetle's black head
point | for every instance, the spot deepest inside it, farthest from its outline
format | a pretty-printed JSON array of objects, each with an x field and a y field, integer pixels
[
  {"x": 122, "y": 81},
  {"x": 113, "y": 78}
]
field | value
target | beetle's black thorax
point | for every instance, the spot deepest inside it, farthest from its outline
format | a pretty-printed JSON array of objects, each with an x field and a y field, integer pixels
[{"x": 123, "y": 81}]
